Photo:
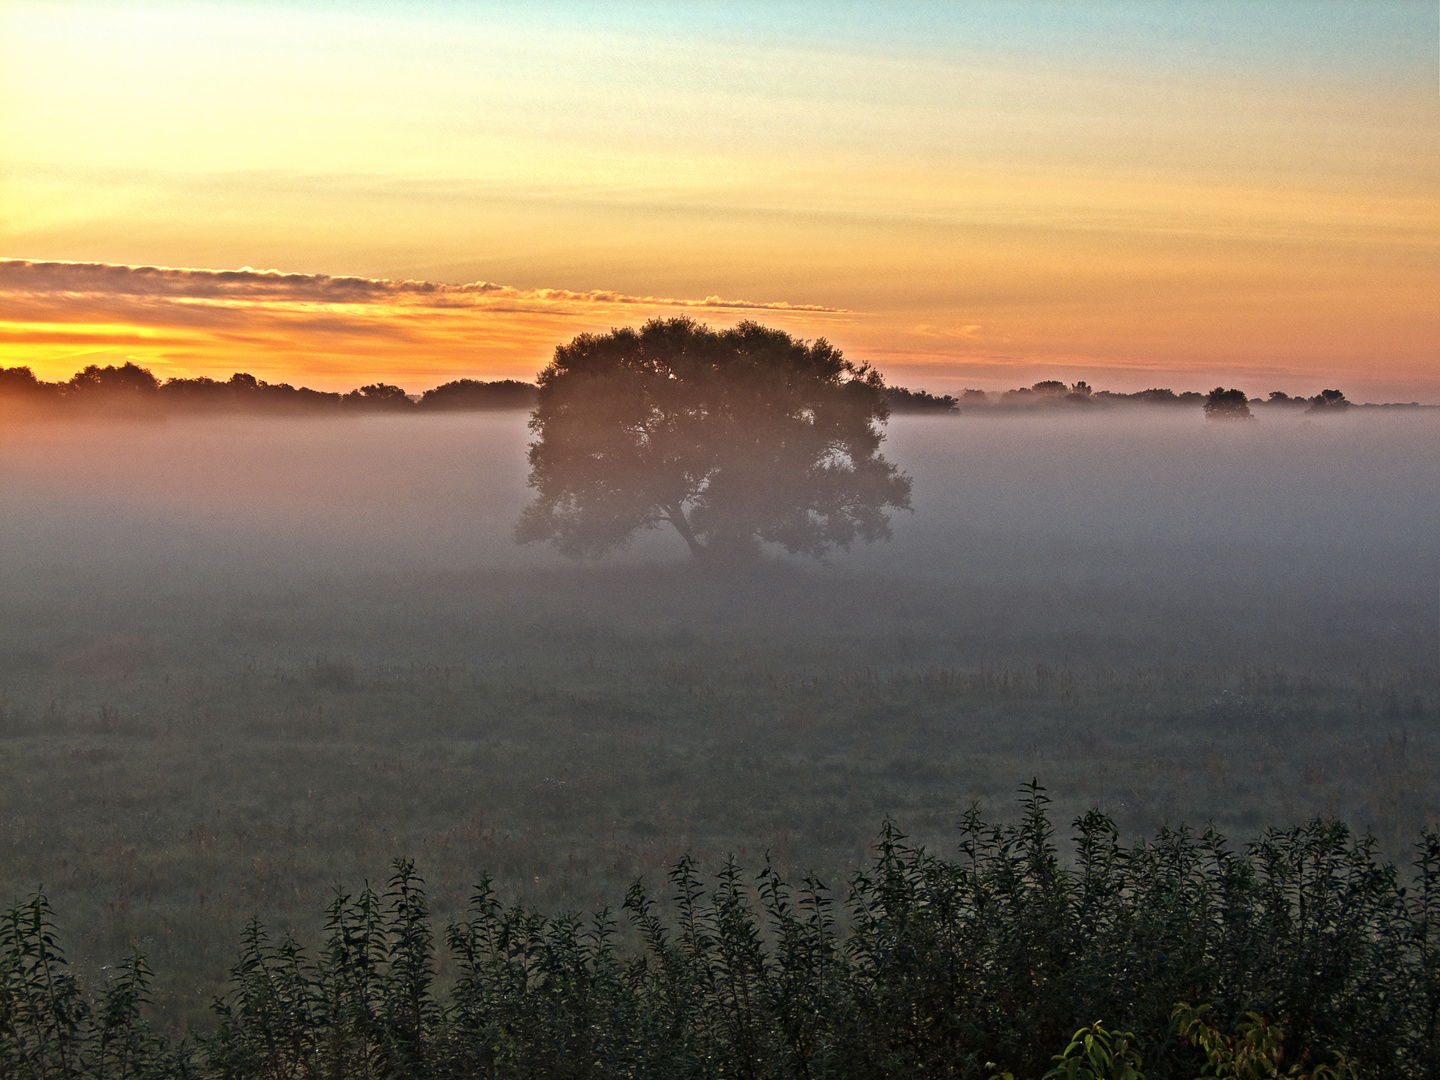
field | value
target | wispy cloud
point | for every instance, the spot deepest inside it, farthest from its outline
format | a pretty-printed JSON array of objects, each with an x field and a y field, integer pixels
[
  {"x": 22, "y": 277},
  {"x": 927, "y": 330}
]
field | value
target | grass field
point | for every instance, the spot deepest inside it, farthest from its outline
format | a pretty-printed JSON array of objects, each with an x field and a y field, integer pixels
[{"x": 242, "y": 664}]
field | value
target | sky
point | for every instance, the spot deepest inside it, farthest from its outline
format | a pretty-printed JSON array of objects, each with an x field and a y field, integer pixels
[{"x": 965, "y": 195}]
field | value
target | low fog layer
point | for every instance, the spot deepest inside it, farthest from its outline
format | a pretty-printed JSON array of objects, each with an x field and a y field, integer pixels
[
  {"x": 262, "y": 496},
  {"x": 1058, "y": 496},
  {"x": 1141, "y": 538},
  {"x": 1082, "y": 498}
]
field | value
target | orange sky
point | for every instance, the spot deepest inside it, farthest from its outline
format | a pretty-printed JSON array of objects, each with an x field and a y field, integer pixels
[
  {"x": 325, "y": 331},
  {"x": 981, "y": 196}
]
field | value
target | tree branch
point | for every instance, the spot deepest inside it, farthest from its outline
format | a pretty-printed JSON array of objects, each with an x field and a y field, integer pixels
[{"x": 676, "y": 514}]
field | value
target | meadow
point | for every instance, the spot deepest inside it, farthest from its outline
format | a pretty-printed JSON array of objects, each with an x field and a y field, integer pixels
[{"x": 244, "y": 660}]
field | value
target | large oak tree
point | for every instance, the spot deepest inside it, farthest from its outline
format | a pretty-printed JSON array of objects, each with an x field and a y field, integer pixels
[{"x": 733, "y": 437}]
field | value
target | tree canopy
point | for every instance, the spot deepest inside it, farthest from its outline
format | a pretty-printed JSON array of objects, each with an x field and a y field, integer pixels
[
  {"x": 1328, "y": 401},
  {"x": 1222, "y": 404},
  {"x": 474, "y": 394},
  {"x": 733, "y": 437}
]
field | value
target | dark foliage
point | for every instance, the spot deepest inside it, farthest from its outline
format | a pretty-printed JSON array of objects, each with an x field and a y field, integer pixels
[
  {"x": 1222, "y": 404},
  {"x": 1324, "y": 402},
  {"x": 50, "y": 1028},
  {"x": 127, "y": 380},
  {"x": 245, "y": 392},
  {"x": 130, "y": 386},
  {"x": 1050, "y": 393},
  {"x": 474, "y": 394},
  {"x": 20, "y": 382},
  {"x": 1053, "y": 394},
  {"x": 946, "y": 966},
  {"x": 733, "y": 437},
  {"x": 382, "y": 397},
  {"x": 1157, "y": 396},
  {"x": 1328, "y": 401},
  {"x": 901, "y": 400},
  {"x": 1167, "y": 397}
]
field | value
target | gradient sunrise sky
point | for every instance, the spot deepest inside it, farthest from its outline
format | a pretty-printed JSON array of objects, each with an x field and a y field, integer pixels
[{"x": 981, "y": 194}]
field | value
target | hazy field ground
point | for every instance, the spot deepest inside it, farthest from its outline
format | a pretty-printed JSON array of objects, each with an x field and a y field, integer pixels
[{"x": 244, "y": 659}]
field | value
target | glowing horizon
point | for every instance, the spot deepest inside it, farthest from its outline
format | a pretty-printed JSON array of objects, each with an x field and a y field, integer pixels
[
  {"x": 983, "y": 197},
  {"x": 187, "y": 321}
]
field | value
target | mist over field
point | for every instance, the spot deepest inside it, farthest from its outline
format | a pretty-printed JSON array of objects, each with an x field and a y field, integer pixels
[
  {"x": 244, "y": 659},
  {"x": 1073, "y": 498},
  {"x": 266, "y": 498},
  {"x": 1142, "y": 538}
]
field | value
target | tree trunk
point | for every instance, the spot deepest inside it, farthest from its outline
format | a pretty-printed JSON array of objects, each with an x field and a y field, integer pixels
[{"x": 676, "y": 513}]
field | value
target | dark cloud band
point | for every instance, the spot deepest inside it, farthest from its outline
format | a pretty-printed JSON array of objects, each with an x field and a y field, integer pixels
[{"x": 23, "y": 277}]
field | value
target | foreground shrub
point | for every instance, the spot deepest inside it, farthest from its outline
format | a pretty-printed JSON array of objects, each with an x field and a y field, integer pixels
[{"x": 944, "y": 967}]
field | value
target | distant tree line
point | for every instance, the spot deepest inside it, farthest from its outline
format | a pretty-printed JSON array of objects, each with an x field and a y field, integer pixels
[
  {"x": 1220, "y": 403},
  {"x": 134, "y": 386},
  {"x": 131, "y": 385},
  {"x": 1303, "y": 954}
]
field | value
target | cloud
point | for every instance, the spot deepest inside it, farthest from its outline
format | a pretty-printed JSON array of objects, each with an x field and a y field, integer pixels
[
  {"x": 46, "y": 336},
  {"x": 927, "y": 330},
  {"x": 24, "y": 278},
  {"x": 55, "y": 316}
]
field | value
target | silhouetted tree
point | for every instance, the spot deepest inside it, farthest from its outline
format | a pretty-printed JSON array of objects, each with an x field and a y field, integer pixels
[
  {"x": 129, "y": 380},
  {"x": 474, "y": 394},
  {"x": 1049, "y": 393},
  {"x": 901, "y": 400},
  {"x": 1159, "y": 396},
  {"x": 382, "y": 396},
  {"x": 732, "y": 437},
  {"x": 1328, "y": 401},
  {"x": 201, "y": 391},
  {"x": 20, "y": 382},
  {"x": 1222, "y": 404}
]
